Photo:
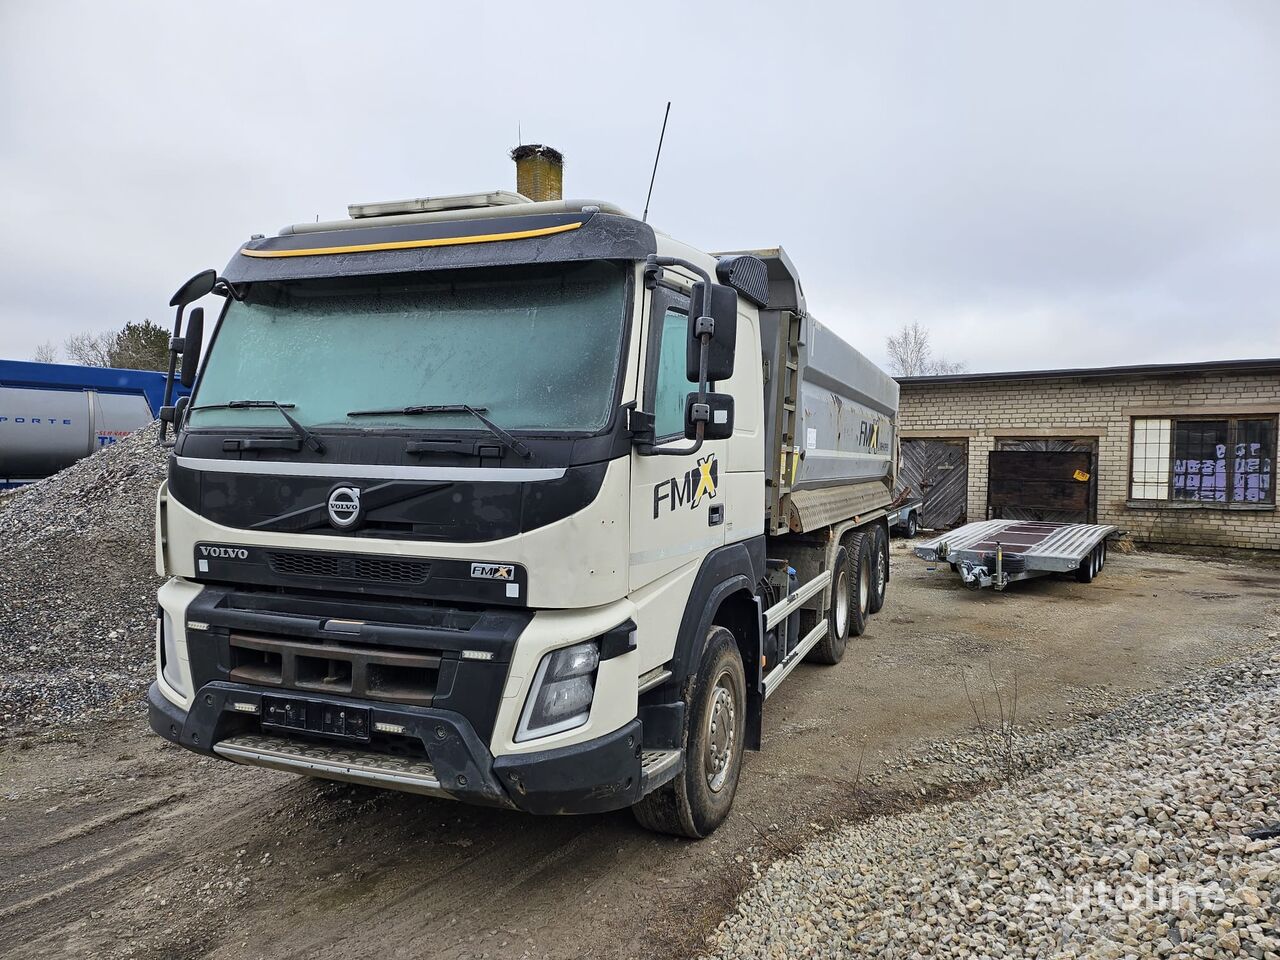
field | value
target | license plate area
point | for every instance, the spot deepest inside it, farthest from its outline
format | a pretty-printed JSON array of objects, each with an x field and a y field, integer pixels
[{"x": 311, "y": 716}]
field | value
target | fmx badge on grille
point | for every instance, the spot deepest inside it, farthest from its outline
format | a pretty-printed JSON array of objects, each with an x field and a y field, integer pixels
[
  {"x": 493, "y": 571},
  {"x": 344, "y": 506}
]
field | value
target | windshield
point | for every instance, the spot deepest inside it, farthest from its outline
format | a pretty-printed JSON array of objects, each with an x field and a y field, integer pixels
[{"x": 536, "y": 347}]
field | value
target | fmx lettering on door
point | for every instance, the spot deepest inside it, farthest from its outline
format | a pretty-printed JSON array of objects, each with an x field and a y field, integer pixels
[{"x": 688, "y": 489}]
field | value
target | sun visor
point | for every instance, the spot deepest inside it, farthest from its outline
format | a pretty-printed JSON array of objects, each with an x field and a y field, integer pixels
[{"x": 443, "y": 245}]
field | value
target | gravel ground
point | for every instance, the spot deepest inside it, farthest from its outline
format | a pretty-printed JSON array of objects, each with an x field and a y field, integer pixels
[
  {"x": 77, "y": 588},
  {"x": 1138, "y": 847}
]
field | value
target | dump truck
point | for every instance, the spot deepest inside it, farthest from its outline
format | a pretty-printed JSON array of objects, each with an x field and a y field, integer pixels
[{"x": 512, "y": 500}]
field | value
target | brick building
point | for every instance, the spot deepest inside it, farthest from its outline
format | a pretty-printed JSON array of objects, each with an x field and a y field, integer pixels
[{"x": 1179, "y": 453}]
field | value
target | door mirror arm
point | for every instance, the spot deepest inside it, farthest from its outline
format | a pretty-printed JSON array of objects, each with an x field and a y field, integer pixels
[{"x": 698, "y": 414}]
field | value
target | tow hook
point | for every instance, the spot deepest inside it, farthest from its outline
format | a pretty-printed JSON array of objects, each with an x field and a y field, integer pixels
[{"x": 973, "y": 574}]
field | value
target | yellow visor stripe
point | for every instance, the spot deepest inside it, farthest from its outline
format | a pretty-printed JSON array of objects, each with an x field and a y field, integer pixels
[{"x": 412, "y": 244}]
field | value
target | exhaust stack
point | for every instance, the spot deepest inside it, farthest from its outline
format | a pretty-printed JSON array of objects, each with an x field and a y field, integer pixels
[{"x": 539, "y": 171}]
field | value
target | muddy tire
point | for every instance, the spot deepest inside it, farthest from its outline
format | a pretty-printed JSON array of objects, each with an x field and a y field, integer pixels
[
  {"x": 700, "y": 797},
  {"x": 879, "y": 569}
]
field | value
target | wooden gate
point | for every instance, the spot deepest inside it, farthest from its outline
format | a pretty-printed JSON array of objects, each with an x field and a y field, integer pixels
[
  {"x": 938, "y": 472},
  {"x": 1022, "y": 481},
  {"x": 1040, "y": 485}
]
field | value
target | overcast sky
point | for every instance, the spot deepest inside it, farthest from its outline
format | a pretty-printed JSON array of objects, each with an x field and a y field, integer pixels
[{"x": 1040, "y": 184}]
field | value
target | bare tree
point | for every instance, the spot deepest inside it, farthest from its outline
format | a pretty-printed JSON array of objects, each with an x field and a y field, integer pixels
[
  {"x": 46, "y": 352},
  {"x": 911, "y": 353},
  {"x": 90, "y": 349}
]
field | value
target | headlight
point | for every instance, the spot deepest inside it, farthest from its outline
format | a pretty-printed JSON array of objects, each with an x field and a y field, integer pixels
[
  {"x": 169, "y": 652},
  {"x": 562, "y": 691}
]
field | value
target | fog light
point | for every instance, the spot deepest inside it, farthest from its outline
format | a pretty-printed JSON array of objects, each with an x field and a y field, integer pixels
[
  {"x": 241, "y": 707},
  {"x": 562, "y": 691},
  {"x": 388, "y": 727}
]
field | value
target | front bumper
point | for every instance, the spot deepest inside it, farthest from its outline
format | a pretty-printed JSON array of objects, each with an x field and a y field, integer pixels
[{"x": 437, "y": 745}]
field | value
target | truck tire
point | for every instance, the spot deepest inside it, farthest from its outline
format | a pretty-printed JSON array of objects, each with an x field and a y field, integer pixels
[
  {"x": 699, "y": 798},
  {"x": 830, "y": 649},
  {"x": 912, "y": 524},
  {"x": 879, "y": 568},
  {"x": 858, "y": 546}
]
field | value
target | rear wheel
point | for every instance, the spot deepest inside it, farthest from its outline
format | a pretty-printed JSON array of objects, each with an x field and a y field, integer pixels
[
  {"x": 859, "y": 547},
  {"x": 912, "y": 525},
  {"x": 850, "y": 598},
  {"x": 700, "y": 797},
  {"x": 1088, "y": 567},
  {"x": 879, "y": 569},
  {"x": 830, "y": 649}
]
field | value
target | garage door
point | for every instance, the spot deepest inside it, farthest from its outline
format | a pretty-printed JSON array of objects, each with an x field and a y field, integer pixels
[
  {"x": 1043, "y": 479},
  {"x": 938, "y": 472}
]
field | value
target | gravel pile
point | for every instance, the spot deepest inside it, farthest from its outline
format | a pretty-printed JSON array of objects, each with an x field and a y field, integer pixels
[
  {"x": 985, "y": 756},
  {"x": 1154, "y": 845},
  {"x": 77, "y": 588}
]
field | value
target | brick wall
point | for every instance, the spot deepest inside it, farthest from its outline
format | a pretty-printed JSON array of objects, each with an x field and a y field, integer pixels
[{"x": 1100, "y": 408}]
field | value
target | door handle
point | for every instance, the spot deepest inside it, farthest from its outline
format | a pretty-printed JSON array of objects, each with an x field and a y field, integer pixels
[{"x": 715, "y": 515}]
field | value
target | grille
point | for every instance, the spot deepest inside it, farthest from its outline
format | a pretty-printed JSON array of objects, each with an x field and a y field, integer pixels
[{"x": 343, "y": 566}]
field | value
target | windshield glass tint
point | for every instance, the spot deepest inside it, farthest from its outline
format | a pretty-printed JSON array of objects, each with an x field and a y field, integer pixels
[{"x": 537, "y": 347}]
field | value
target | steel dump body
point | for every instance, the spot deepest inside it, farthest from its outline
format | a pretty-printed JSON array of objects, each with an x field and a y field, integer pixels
[{"x": 830, "y": 414}]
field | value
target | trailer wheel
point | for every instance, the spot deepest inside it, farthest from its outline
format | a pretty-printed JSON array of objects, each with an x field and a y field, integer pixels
[
  {"x": 1088, "y": 567},
  {"x": 879, "y": 569},
  {"x": 699, "y": 798},
  {"x": 912, "y": 525}
]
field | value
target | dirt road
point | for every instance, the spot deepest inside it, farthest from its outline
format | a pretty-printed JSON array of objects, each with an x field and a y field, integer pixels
[{"x": 115, "y": 843}]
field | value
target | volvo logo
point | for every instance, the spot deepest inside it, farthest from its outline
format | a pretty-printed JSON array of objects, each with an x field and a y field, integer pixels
[
  {"x": 225, "y": 553},
  {"x": 344, "y": 507}
]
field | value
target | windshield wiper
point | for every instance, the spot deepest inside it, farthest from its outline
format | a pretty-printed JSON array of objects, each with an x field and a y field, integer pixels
[
  {"x": 305, "y": 435},
  {"x": 512, "y": 443}
]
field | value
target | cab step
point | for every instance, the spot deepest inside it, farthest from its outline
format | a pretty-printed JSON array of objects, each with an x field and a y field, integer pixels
[{"x": 659, "y": 766}]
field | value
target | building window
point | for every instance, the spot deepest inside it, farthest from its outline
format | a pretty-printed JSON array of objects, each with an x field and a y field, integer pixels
[{"x": 1210, "y": 460}]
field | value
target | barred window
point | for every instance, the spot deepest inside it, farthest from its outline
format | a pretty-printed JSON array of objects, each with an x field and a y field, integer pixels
[{"x": 1209, "y": 460}]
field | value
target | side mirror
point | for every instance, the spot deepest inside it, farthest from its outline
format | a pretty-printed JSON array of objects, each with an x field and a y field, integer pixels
[
  {"x": 713, "y": 308},
  {"x": 715, "y": 411},
  {"x": 174, "y": 412},
  {"x": 195, "y": 288},
  {"x": 191, "y": 344}
]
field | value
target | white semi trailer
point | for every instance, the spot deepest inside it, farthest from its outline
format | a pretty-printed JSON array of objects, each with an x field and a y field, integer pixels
[{"x": 519, "y": 503}]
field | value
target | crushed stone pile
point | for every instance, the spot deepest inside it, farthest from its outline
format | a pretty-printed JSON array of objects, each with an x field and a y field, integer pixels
[
  {"x": 1162, "y": 844},
  {"x": 77, "y": 589}
]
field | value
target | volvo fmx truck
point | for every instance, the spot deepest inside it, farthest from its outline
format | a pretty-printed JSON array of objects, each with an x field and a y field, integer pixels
[{"x": 516, "y": 502}]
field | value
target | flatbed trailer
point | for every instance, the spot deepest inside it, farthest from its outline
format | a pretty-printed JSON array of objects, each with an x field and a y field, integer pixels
[{"x": 995, "y": 553}]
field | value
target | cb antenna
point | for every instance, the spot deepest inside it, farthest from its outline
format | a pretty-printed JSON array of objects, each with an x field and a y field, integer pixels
[{"x": 656, "y": 157}]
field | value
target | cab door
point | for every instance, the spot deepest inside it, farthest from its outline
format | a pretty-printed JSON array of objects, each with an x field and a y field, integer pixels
[{"x": 677, "y": 503}]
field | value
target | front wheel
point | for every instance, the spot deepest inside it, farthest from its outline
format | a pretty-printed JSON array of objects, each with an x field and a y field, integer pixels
[
  {"x": 912, "y": 525},
  {"x": 700, "y": 797}
]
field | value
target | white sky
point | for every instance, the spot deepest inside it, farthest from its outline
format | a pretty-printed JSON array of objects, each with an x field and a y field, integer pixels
[{"x": 1041, "y": 184}]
